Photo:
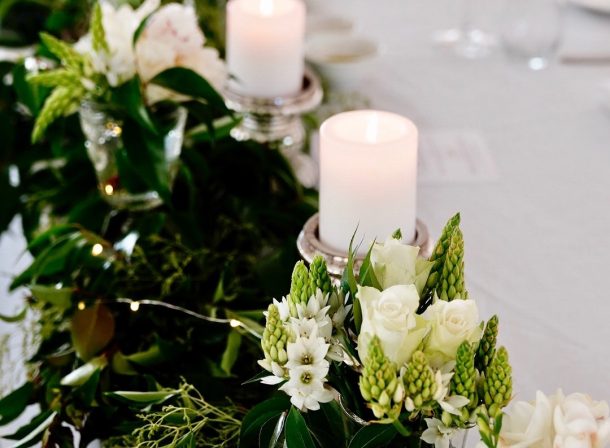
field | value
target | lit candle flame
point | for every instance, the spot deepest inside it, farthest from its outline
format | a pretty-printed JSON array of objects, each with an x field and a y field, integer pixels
[
  {"x": 266, "y": 7},
  {"x": 372, "y": 129}
]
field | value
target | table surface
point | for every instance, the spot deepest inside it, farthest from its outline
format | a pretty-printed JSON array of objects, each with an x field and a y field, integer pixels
[{"x": 537, "y": 244}]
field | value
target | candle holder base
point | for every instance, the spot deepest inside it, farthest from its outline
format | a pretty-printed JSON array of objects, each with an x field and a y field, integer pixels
[
  {"x": 275, "y": 122},
  {"x": 310, "y": 245}
]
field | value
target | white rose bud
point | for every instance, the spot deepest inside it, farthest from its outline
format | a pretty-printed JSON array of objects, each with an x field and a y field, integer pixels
[
  {"x": 396, "y": 263},
  {"x": 391, "y": 316},
  {"x": 452, "y": 323},
  {"x": 581, "y": 422}
]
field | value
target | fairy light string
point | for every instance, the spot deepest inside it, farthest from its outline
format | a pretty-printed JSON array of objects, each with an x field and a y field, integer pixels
[{"x": 135, "y": 305}]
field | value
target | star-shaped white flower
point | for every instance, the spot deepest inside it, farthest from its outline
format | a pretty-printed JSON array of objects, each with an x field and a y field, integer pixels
[
  {"x": 306, "y": 387},
  {"x": 438, "y": 434},
  {"x": 309, "y": 351}
]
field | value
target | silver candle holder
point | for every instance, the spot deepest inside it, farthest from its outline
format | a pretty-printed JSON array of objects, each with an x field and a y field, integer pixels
[
  {"x": 310, "y": 245},
  {"x": 275, "y": 122}
]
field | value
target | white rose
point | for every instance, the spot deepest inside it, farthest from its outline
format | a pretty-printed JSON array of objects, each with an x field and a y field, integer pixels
[
  {"x": 395, "y": 263},
  {"x": 528, "y": 425},
  {"x": 581, "y": 422},
  {"x": 452, "y": 323},
  {"x": 118, "y": 64},
  {"x": 172, "y": 38},
  {"x": 391, "y": 316}
]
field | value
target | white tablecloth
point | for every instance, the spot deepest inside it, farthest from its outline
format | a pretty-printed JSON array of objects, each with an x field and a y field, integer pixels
[{"x": 537, "y": 240}]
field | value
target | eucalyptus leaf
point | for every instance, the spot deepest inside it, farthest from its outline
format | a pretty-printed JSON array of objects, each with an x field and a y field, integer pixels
[
  {"x": 297, "y": 432},
  {"x": 91, "y": 330},
  {"x": 15, "y": 403}
]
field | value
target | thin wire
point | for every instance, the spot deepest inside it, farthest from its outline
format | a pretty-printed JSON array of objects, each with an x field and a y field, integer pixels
[{"x": 232, "y": 322}]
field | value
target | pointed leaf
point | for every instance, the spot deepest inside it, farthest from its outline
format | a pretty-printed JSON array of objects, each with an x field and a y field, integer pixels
[
  {"x": 16, "y": 318},
  {"x": 187, "y": 82},
  {"x": 15, "y": 403},
  {"x": 373, "y": 436},
  {"x": 297, "y": 432},
  {"x": 91, "y": 330}
]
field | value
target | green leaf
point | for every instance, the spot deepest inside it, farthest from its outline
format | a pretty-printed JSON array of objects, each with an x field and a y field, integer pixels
[
  {"x": 297, "y": 432},
  {"x": 13, "y": 319},
  {"x": 221, "y": 128},
  {"x": 86, "y": 392},
  {"x": 91, "y": 330},
  {"x": 367, "y": 273},
  {"x": 58, "y": 297},
  {"x": 187, "y": 82},
  {"x": 15, "y": 403},
  {"x": 155, "y": 354},
  {"x": 147, "y": 152},
  {"x": 373, "y": 436},
  {"x": 141, "y": 27},
  {"x": 231, "y": 352},
  {"x": 130, "y": 97},
  {"x": 143, "y": 398},
  {"x": 33, "y": 430},
  {"x": 258, "y": 416},
  {"x": 83, "y": 374}
]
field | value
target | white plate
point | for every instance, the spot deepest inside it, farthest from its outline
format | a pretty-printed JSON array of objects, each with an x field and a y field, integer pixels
[{"x": 602, "y": 6}]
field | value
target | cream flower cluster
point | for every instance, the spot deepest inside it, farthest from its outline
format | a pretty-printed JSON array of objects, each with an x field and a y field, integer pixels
[
  {"x": 310, "y": 349},
  {"x": 171, "y": 38},
  {"x": 391, "y": 315},
  {"x": 557, "y": 421}
]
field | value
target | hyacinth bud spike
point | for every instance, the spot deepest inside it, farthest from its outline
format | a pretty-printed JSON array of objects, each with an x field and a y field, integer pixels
[
  {"x": 379, "y": 383},
  {"x": 318, "y": 276},
  {"x": 487, "y": 345}
]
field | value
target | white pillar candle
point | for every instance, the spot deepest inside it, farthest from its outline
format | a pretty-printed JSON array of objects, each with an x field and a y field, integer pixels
[
  {"x": 368, "y": 176},
  {"x": 265, "y": 46}
]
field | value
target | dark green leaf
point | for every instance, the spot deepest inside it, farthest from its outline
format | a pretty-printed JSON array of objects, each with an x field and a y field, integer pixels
[
  {"x": 297, "y": 432},
  {"x": 187, "y": 82},
  {"x": 40, "y": 422},
  {"x": 258, "y": 416},
  {"x": 86, "y": 392},
  {"x": 129, "y": 95},
  {"x": 373, "y": 436},
  {"x": 15, "y": 403},
  {"x": 147, "y": 152}
]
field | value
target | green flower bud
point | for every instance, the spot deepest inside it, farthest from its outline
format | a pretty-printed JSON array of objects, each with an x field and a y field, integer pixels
[
  {"x": 379, "y": 383},
  {"x": 318, "y": 276},
  {"x": 68, "y": 55},
  {"x": 420, "y": 383},
  {"x": 438, "y": 255},
  {"x": 62, "y": 101},
  {"x": 464, "y": 380},
  {"x": 487, "y": 346},
  {"x": 275, "y": 337},
  {"x": 498, "y": 386},
  {"x": 54, "y": 78},
  {"x": 450, "y": 285},
  {"x": 300, "y": 288},
  {"x": 98, "y": 34}
]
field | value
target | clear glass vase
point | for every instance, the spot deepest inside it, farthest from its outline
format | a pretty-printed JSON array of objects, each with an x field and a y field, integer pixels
[{"x": 103, "y": 132}]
